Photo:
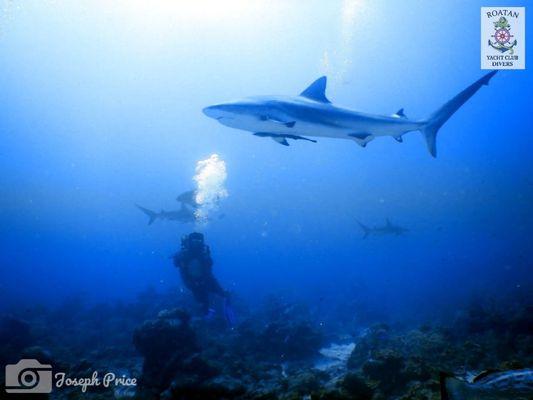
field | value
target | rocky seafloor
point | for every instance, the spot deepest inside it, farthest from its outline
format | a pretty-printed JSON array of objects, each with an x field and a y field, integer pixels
[{"x": 279, "y": 350}]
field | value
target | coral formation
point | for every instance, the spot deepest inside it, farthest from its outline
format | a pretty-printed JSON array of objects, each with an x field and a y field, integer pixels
[{"x": 273, "y": 353}]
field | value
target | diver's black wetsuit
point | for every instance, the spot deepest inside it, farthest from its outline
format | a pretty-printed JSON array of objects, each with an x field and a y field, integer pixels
[{"x": 195, "y": 265}]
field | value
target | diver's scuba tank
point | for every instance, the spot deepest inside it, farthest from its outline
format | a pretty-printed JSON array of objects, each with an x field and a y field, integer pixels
[{"x": 194, "y": 242}]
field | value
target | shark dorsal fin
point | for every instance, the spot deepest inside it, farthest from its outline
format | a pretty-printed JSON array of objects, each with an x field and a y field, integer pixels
[
  {"x": 317, "y": 90},
  {"x": 399, "y": 114},
  {"x": 484, "y": 374}
]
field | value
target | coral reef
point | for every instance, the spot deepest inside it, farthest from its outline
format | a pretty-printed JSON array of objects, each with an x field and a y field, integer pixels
[
  {"x": 15, "y": 335},
  {"x": 167, "y": 345},
  {"x": 276, "y": 351}
]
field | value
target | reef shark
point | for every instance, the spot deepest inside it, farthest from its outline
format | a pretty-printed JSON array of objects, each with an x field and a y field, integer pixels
[
  {"x": 388, "y": 229},
  {"x": 184, "y": 214},
  {"x": 188, "y": 198},
  {"x": 489, "y": 385},
  {"x": 312, "y": 114}
]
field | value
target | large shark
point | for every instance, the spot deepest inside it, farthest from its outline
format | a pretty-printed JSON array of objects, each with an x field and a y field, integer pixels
[
  {"x": 312, "y": 114},
  {"x": 388, "y": 229},
  {"x": 184, "y": 214}
]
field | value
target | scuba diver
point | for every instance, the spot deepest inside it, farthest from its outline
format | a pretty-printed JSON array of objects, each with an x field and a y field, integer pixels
[{"x": 195, "y": 265}]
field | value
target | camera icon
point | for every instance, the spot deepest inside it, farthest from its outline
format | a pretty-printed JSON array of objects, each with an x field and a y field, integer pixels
[{"x": 28, "y": 376}]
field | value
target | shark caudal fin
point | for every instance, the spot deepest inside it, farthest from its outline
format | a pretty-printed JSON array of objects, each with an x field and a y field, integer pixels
[
  {"x": 366, "y": 229},
  {"x": 438, "y": 118},
  {"x": 152, "y": 215}
]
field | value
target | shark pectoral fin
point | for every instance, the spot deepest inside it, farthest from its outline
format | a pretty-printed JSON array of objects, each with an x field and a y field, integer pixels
[
  {"x": 398, "y": 139},
  {"x": 289, "y": 124},
  {"x": 296, "y": 137},
  {"x": 280, "y": 140},
  {"x": 277, "y": 138},
  {"x": 362, "y": 139}
]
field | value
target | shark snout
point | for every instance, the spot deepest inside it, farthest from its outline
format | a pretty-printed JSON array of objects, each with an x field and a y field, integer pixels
[
  {"x": 212, "y": 112},
  {"x": 220, "y": 112}
]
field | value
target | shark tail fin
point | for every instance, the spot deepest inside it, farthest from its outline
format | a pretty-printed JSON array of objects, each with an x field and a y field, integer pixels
[
  {"x": 152, "y": 215},
  {"x": 438, "y": 118},
  {"x": 366, "y": 229}
]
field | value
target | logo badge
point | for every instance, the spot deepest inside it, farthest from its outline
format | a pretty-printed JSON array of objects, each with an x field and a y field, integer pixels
[
  {"x": 503, "y": 37},
  {"x": 28, "y": 376}
]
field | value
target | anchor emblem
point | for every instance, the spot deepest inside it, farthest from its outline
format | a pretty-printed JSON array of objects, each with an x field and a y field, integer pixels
[{"x": 502, "y": 37}]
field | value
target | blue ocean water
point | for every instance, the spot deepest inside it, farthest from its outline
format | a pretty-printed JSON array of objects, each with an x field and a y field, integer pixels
[{"x": 101, "y": 110}]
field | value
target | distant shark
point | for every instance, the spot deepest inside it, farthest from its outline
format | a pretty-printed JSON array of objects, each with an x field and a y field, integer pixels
[
  {"x": 312, "y": 114},
  {"x": 188, "y": 198},
  {"x": 184, "y": 214},
  {"x": 388, "y": 229}
]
